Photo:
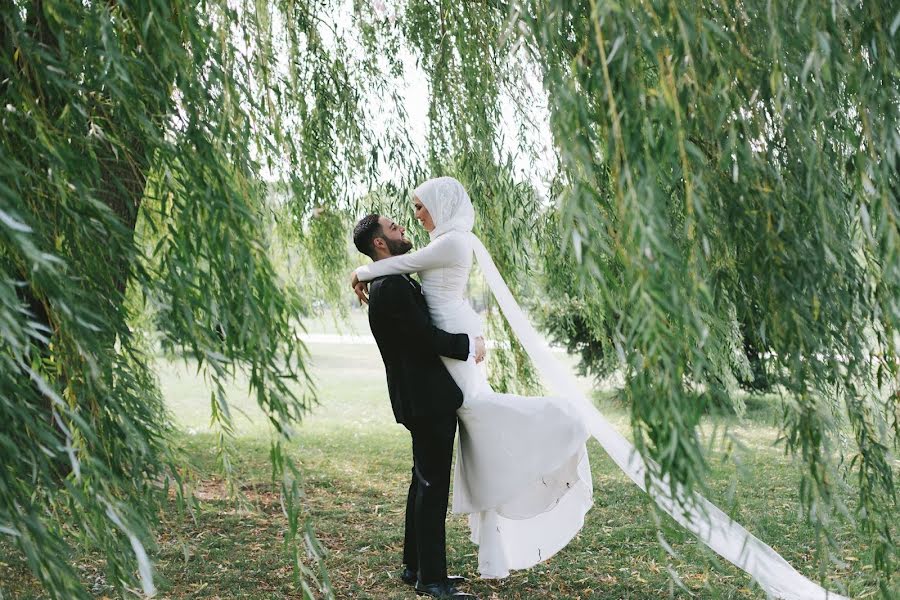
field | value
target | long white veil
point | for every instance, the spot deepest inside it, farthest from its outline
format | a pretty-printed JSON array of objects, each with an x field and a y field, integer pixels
[{"x": 449, "y": 205}]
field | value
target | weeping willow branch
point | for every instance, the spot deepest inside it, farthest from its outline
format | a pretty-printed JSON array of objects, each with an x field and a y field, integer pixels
[
  {"x": 725, "y": 203},
  {"x": 135, "y": 142}
]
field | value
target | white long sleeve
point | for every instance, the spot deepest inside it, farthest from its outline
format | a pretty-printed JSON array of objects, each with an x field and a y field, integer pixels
[{"x": 447, "y": 250}]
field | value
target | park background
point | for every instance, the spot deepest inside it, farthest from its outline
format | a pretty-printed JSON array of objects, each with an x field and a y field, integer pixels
[{"x": 698, "y": 202}]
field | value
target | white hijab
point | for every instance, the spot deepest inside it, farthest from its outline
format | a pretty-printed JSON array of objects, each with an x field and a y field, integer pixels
[
  {"x": 449, "y": 205},
  {"x": 450, "y": 208}
]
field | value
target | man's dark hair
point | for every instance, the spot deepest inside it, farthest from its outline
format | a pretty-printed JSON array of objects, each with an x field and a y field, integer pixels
[{"x": 367, "y": 229}]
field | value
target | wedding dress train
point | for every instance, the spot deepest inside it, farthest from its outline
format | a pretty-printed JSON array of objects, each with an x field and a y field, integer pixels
[{"x": 522, "y": 473}]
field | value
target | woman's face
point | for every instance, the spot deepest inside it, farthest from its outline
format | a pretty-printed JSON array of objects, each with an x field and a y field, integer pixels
[{"x": 422, "y": 214}]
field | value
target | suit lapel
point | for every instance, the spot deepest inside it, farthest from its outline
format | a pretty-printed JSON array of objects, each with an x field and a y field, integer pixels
[
  {"x": 412, "y": 282},
  {"x": 420, "y": 297}
]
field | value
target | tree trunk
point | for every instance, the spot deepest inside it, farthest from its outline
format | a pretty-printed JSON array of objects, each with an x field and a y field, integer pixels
[{"x": 120, "y": 187}]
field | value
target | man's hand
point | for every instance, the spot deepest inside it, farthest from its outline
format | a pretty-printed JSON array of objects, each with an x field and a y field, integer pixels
[
  {"x": 480, "y": 349},
  {"x": 360, "y": 288}
]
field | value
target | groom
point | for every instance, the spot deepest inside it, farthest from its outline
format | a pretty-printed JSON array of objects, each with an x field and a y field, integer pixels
[{"x": 424, "y": 398}]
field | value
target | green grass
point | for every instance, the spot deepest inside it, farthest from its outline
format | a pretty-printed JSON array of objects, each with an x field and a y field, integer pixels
[
  {"x": 355, "y": 323},
  {"x": 355, "y": 462}
]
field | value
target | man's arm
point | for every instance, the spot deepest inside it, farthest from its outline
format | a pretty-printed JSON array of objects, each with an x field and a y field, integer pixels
[{"x": 397, "y": 309}]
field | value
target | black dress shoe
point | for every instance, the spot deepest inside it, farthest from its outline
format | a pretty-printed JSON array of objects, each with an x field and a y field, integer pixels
[
  {"x": 442, "y": 590},
  {"x": 410, "y": 577}
]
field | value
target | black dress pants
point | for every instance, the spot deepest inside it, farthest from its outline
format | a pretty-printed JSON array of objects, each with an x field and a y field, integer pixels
[{"x": 425, "y": 541}]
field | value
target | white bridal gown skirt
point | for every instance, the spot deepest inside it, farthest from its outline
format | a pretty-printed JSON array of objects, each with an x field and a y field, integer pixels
[{"x": 522, "y": 471}]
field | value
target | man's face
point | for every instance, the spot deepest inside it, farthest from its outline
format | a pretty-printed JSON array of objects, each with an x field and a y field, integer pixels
[{"x": 394, "y": 237}]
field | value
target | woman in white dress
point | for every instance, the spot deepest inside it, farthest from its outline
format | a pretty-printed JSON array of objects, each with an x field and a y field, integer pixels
[{"x": 522, "y": 473}]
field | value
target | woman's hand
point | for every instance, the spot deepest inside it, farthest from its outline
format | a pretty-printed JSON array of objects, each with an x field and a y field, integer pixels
[
  {"x": 360, "y": 288},
  {"x": 480, "y": 349}
]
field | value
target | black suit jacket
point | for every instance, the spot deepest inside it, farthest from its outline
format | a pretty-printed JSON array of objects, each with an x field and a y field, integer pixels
[{"x": 418, "y": 383}]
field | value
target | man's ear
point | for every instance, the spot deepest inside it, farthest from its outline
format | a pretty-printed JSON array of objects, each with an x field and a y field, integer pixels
[{"x": 379, "y": 243}]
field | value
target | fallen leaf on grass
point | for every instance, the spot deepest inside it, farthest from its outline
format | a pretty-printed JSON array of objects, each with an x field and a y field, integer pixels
[{"x": 200, "y": 588}]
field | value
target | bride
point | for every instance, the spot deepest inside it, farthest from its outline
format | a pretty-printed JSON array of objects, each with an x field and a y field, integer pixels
[{"x": 522, "y": 473}]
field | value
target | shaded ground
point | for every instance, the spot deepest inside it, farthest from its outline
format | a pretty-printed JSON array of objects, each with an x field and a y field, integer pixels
[{"x": 356, "y": 462}]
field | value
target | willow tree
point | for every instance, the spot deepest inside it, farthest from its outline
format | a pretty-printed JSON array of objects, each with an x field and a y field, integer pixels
[
  {"x": 727, "y": 179},
  {"x": 737, "y": 164},
  {"x": 135, "y": 140},
  {"x": 726, "y": 171}
]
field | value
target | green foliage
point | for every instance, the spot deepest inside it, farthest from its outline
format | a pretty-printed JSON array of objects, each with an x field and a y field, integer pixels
[
  {"x": 726, "y": 188},
  {"x": 571, "y": 317},
  {"x": 735, "y": 164},
  {"x": 134, "y": 143}
]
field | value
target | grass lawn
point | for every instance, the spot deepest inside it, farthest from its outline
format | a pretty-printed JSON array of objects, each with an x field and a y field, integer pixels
[
  {"x": 356, "y": 322},
  {"x": 356, "y": 461}
]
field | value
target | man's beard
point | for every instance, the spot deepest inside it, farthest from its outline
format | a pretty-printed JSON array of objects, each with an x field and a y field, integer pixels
[{"x": 398, "y": 247}]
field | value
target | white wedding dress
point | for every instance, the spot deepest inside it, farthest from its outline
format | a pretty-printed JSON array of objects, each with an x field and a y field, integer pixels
[{"x": 522, "y": 473}]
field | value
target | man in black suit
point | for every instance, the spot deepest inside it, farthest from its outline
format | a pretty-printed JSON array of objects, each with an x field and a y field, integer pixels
[{"x": 424, "y": 398}]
